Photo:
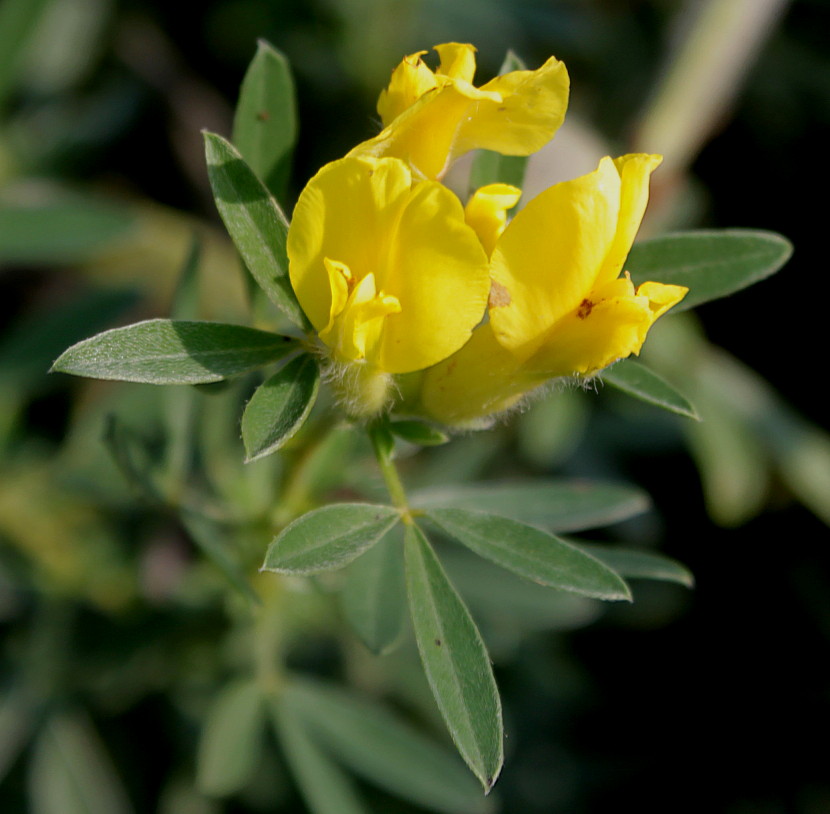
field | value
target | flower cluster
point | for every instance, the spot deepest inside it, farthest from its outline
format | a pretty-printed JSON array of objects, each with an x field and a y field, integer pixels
[{"x": 398, "y": 277}]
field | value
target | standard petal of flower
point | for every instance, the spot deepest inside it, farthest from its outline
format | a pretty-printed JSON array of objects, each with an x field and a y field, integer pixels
[
  {"x": 486, "y": 211},
  {"x": 424, "y": 135},
  {"x": 347, "y": 213},
  {"x": 387, "y": 273},
  {"x": 515, "y": 114},
  {"x": 635, "y": 170},
  {"x": 548, "y": 258},
  {"x": 438, "y": 271},
  {"x": 609, "y": 326},
  {"x": 410, "y": 81},
  {"x": 532, "y": 108}
]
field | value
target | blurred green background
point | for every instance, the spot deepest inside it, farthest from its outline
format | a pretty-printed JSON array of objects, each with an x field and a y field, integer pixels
[{"x": 116, "y": 631}]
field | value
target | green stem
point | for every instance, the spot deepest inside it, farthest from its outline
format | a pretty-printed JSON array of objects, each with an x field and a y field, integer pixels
[
  {"x": 383, "y": 443},
  {"x": 268, "y": 639}
]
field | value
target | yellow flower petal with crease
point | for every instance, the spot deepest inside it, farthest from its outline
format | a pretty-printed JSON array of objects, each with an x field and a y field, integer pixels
[
  {"x": 388, "y": 273},
  {"x": 413, "y": 78},
  {"x": 548, "y": 258},
  {"x": 458, "y": 61},
  {"x": 532, "y": 109},
  {"x": 635, "y": 170},
  {"x": 438, "y": 270},
  {"x": 558, "y": 307},
  {"x": 515, "y": 114},
  {"x": 486, "y": 211},
  {"x": 609, "y": 326},
  {"x": 340, "y": 280},
  {"x": 344, "y": 201},
  {"x": 410, "y": 81}
]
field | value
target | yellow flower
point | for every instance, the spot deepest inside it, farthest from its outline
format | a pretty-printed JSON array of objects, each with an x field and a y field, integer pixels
[
  {"x": 486, "y": 211},
  {"x": 558, "y": 305},
  {"x": 432, "y": 118},
  {"x": 389, "y": 274}
]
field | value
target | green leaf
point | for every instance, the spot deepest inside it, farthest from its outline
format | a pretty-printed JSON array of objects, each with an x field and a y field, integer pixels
[
  {"x": 531, "y": 553},
  {"x": 18, "y": 22},
  {"x": 455, "y": 661},
  {"x": 495, "y": 168},
  {"x": 419, "y": 432},
  {"x": 180, "y": 403},
  {"x": 328, "y": 538},
  {"x": 265, "y": 121},
  {"x": 490, "y": 167},
  {"x": 163, "y": 351},
  {"x": 633, "y": 564},
  {"x": 558, "y": 505},
  {"x": 18, "y": 715},
  {"x": 255, "y": 223},
  {"x": 212, "y": 541},
  {"x": 325, "y": 465},
  {"x": 373, "y": 596},
  {"x": 380, "y": 747},
  {"x": 133, "y": 458},
  {"x": 550, "y": 431},
  {"x": 731, "y": 458},
  {"x": 324, "y": 787},
  {"x": 637, "y": 380},
  {"x": 63, "y": 229},
  {"x": 382, "y": 439},
  {"x": 711, "y": 264},
  {"x": 71, "y": 773},
  {"x": 279, "y": 407},
  {"x": 232, "y": 737},
  {"x": 510, "y": 605},
  {"x": 186, "y": 297}
]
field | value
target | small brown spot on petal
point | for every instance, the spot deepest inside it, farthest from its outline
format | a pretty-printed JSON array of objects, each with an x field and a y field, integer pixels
[
  {"x": 585, "y": 308},
  {"x": 499, "y": 295}
]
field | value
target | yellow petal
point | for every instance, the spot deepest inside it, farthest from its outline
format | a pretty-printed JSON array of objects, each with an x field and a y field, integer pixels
[
  {"x": 531, "y": 110},
  {"x": 635, "y": 170},
  {"x": 340, "y": 279},
  {"x": 610, "y": 325},
  {"x": 486, "y": 211},
  {"x": 515, "y": 114},
  {"x": 548, "y": 258},
  {"x": 481, "y": 379},
  {"x": 458, "y": 60},
  {"x": 438, "y": 271},
  {"x": 361, "y": 325},
  {"x": 347, "y": 213},
  {"x": 413, "y": 274},
  {"x": 661, "y": 297},
  {"x": 425, "y": 134},
  {"x": 410, "y": 81}
]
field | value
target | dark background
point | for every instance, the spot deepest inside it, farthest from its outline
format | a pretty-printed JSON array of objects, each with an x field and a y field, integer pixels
[{"x": 715, "y": 700}]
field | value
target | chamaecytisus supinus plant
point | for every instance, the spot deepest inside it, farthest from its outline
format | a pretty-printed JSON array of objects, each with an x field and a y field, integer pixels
[{"x": 426, "y": 314}]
